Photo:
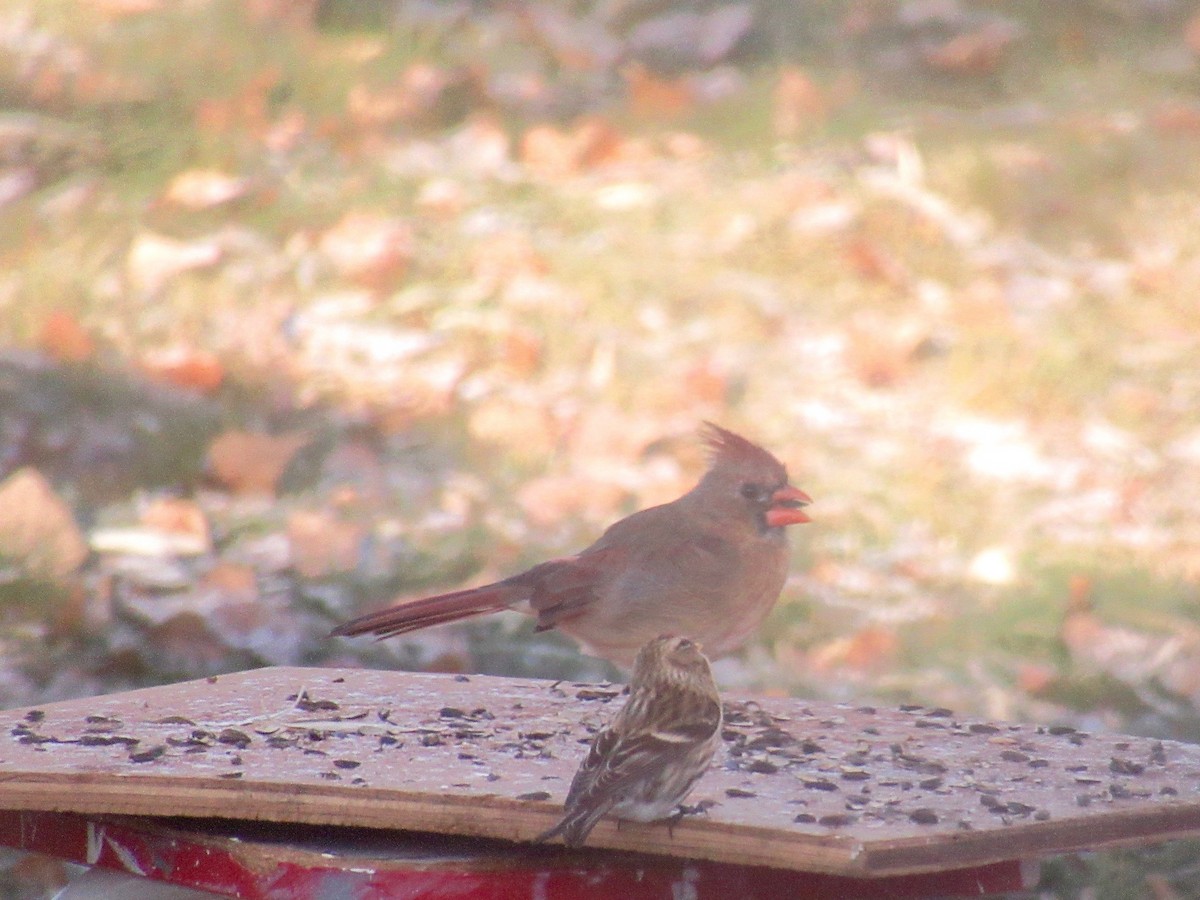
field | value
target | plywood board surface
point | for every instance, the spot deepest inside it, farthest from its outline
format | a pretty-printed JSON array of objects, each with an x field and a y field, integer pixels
[{"x": 817, "y": 787}]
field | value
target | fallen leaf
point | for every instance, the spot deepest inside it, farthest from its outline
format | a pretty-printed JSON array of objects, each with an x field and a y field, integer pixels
[
  {"x": 17, "y": 183},
  {"x": 706, "y": 382},
  {"x": 38, "y": 531},
  {"x": 521, "y": 352},
  {"x": 550, "y": 152},
  {"x": 798, "y": 105},
  {"x": 251, "y": 462},
  {"x": 552, "y": 500},
  {"x": 442, "y": 198},
  {"x": 154, "y": 260},
  {"x": 977, "y": 52},
  {"x": 867, "y": 650},
  {"x": 299, "y": 14},
  {"x": 248, "y": 109},
  {"x": 186, "y": 640},
  {"x": 482, "y": 145},
  {"x": 322, "y": 544},
  {"x": 180, "y": 517},
  {"x": 63, "y": 339},
  {"x": 652, "y": 97},
  {"x": 1191, "y": 34},
  {"x": 1176, "y": 116},
  {"x": 505, "y": 257},
  {"x": 370, "y": 249},
  {"x": 185, "y": 367},
  {"x": 235, "y": 582},
  {"x": 872, "y": 261},
  {"x": 524, "y": 429},
  {"x": 204, "y": 189}
]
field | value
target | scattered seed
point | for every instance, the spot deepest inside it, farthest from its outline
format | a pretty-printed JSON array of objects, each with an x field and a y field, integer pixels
[
  {"x": 347, "y": 763},
  {"x": 106, "y": 740},
  {"x": 738, "y": 793},
  {"x": 148, "y": 755},
  {"x": 1120, "y": 766},
  {"x": 236, "y": 738},
  {"x": 173, "y": 720},
  {"x": 837, "y": 820},
  {"x": 534, "y": 795},
  {"x": 820, "y": 784},
  {"x": 924, "y": 816}
]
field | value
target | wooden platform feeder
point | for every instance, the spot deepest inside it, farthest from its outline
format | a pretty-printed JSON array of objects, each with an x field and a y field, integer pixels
[{"x": 850, "y": 801}]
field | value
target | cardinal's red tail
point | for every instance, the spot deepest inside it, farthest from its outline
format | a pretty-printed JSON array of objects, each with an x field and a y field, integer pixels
[{"x": 431, "y": 611}]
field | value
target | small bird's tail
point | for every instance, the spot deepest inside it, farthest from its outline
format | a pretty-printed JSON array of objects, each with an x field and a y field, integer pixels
[
  {"x": 575, "y": 825},
  {"x": 431, "y": 611}
]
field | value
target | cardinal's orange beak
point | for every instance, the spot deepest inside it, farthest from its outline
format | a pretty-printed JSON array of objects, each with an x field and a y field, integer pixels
[{"x": 787, "y": 507}]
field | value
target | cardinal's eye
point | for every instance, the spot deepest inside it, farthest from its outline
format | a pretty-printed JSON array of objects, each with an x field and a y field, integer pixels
[{"x": 755, "y": 492}]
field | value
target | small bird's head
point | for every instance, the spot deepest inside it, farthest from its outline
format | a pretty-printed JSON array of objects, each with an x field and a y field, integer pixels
[
  {"x": 671, "y": 658},
  {"x": 745, "y": 474}
]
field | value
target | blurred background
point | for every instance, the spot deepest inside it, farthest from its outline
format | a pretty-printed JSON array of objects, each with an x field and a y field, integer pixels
[{"x": 307, "y": 306}]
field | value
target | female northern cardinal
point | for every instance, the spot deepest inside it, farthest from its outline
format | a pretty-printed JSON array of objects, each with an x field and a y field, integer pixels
[
  {"x": 643, "y": 765},
  {"x": 709, "y": 566}
]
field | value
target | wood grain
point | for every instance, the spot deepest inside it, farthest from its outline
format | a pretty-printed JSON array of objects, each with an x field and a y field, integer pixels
[{"x": 806, "y": 786}]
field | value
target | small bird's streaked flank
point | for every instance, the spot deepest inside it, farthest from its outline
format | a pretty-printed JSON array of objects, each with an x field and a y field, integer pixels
[{"x": 643, "y": 765}]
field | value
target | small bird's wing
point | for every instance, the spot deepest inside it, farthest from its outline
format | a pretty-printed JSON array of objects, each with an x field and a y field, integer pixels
[{"x": 619, "y": 760}]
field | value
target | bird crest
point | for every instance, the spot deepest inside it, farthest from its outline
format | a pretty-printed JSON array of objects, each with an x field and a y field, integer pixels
[{"x": 726, "y": 447}]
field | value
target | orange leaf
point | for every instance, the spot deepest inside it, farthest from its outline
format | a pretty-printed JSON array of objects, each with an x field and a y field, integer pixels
[
  {"x": 551, "y": 152},
  {"x": 184, "y": 367},
  {"x": 371, "y": 250},
  {"x": 249, "y": 462},
  {"x": 548, "y": 152},
  {"x": 652, "y": 97},
  {"x": 63, "y": 338},
  {"x": 178, "y": 517},
  {"x": 37, "y": 529},
  {"x": 798, "y": 104},
  {"x": 154, "y": 260},
  {"x": 504, "y": 257},
  {"x": 874, "y": 263},
  {"x": 1176, "y": 116},
  {"x": 1191, "y": 34},
  {"x": 977, "y": 52},
  {"x": 322, "y": 544},
  {"x": 521, "y": 352}
]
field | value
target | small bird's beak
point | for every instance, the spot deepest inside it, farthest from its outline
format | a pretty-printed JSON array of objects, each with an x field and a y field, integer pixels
[{"x": 787, "y": 507}]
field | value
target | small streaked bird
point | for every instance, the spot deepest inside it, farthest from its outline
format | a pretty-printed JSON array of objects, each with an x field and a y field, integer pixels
[
  {"x": 642, "y": 766},
  {"x": 709, "y": 564}
]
